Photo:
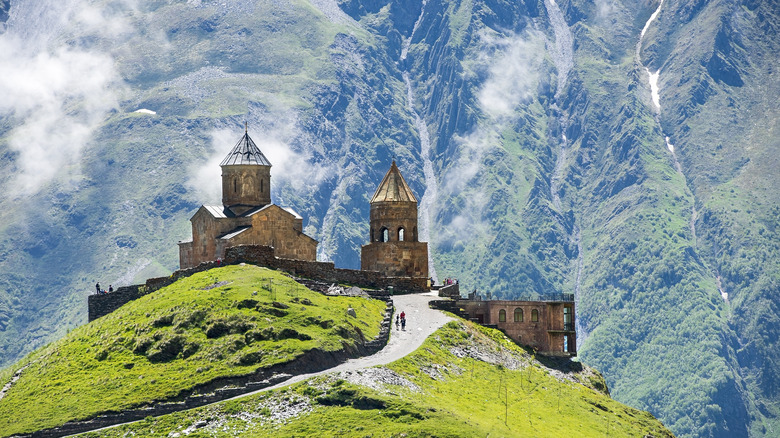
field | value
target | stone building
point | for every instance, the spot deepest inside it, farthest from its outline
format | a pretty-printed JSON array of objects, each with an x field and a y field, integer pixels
[
  {"x": 547, "y": 325},
  {"x": 246, "y": 216},
  {"x": 394, "y": 249}
]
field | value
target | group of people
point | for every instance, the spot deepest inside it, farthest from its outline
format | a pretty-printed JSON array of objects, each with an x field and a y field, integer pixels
[
  {"x": 103, "y": 291},
  {"x": 400, "y": 321},
  {"x": 448, "y": 281}
]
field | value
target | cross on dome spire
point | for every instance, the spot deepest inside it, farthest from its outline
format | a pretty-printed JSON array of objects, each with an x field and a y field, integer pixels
[{"x": 245, "y": 152}]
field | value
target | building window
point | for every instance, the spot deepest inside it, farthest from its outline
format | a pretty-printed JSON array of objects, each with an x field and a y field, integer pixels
[
  {"x": 518, "y": 315},
  {"x": 414, "y": 234},
  {"x": 534, "y": 315},
  {"x": 372, "y": 235},
  {"x": 565, "y": 343},
  {"x": 235, "y": 185},
  {"x": 261, "y": 186},
  {"x": 502, "y": 315},
  {"x": 401, "y": 234},
  {"x": 383, "y": 234}
]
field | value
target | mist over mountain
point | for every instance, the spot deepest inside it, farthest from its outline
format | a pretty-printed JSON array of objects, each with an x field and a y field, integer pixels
[{"x": 622, "y": 150}]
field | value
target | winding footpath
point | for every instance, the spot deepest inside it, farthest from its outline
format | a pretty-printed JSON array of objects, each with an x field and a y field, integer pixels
[{"x": 421, "y": 322}]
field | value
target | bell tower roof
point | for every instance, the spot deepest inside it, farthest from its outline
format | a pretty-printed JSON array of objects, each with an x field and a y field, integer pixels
[
  {"x": 393, "y": 188},
  {"x": 245, "y": 152}
]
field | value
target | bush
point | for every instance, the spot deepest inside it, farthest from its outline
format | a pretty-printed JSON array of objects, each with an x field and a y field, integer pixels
[
  {"x": 250, "y": 358},
  {"x": 217, "y": 329},
  {"x": 166, "y": 349}
]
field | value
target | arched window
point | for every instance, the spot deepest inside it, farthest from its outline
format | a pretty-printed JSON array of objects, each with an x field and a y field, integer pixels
[
  {"x": 372, "y": 235},
  {"x": 235, "y": 185},
  {"x": 414, "y": 234},
  {"x": 502, "y": 315},
  {"x": 534, "y": 315},
  {"x": 518, "y": 315},
  {"x": 401, "y": 234},
  {"x": 383, "y": 235}
]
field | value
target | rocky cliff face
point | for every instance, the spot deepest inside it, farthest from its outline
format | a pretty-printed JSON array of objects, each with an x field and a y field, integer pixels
[{"x": 619, "y": 150}]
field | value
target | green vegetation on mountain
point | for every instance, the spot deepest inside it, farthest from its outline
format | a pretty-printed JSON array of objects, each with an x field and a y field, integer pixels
[
  {"x": 464, "y": 381},
  {"x": 229, "y": 321},
  {"x": 649, "y": 250}
]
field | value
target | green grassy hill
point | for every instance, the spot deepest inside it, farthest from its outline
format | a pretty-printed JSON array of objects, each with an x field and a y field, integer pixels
[
  {"x": 464, "y": 381},
  {"x": 229, "y": 321}
]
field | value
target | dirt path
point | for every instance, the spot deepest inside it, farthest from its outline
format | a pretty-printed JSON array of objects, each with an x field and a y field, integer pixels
[{"x": 421, "y": 322}]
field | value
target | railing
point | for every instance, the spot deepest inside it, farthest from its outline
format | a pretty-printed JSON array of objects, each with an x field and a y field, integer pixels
[{"x": 546, "y": 297}]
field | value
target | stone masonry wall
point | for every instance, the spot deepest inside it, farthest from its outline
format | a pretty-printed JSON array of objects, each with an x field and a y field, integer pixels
[{"x": 260, "y": 255}]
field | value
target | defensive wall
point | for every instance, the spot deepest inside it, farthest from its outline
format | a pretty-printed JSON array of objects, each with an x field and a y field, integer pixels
[{"x": 103, "y": 304}]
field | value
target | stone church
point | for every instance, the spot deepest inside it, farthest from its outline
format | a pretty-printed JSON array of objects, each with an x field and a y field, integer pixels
[
  {"x": 394, "y": 249},
  {"x": 246, "y": 216}
]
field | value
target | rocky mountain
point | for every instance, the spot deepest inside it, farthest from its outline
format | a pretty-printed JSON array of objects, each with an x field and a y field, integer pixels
[{"x": 621, "y": 150}]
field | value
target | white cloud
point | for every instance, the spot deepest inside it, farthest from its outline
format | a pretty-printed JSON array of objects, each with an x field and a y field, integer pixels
[
  {"x": 55, "y": 91},
  {"x": 57, "y": 98},
  {"x": 605, "y": 9},
  {"x": 513, "y": 66}
]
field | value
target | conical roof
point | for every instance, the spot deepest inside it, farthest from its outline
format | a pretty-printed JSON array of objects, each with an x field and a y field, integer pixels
[
  {"x": 393, "y": 188},
  {"x": 245, "y": 152}
]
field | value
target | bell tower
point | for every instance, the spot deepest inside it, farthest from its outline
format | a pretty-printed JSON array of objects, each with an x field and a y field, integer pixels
[
  {"x": 393, "y": 248},
  {"x": 246, "y": 177}
]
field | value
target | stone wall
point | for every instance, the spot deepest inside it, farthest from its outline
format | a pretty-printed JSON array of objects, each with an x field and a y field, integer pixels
[
  {"x": 103, "y": 304},
  {"x": 260, "y": 255},
  {"x": 396, "y": 258}
]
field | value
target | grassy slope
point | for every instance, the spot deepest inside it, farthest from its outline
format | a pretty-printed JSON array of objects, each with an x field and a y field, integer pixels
[
  {"x": 435, "y": 394},
  {"x": 180, "y": 336}
]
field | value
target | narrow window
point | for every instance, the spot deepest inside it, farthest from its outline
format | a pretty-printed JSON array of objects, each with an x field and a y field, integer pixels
[
  {"x": 372, "y": 235},
  {"x": 567, "y": 325},
  {"x": 414, "y": 234},
  {"x": 534, "y": 315},
  {"x": 384, "y": 234},
  {"x": 566, "y": 343},
  {"x": 502, "y": 315},
  {"x": 261, "y": 186},
  {"x": 235, "y": 185},
  {"x": 518, "y": 315},
  {"x": 401, "y": 234}
]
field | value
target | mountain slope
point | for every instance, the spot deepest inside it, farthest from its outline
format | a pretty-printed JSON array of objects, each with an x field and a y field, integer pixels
[
  {"x": 464, "y": 381},
  {"x": 528, "y": 130}
]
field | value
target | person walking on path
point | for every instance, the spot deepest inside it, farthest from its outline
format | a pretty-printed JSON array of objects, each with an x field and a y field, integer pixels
[
  {"x": 110, "y": 288},
  {"x": 397, "y": 322},
  {"x": 403, "y": 320},
  {"x": 97, "y": 286}
]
